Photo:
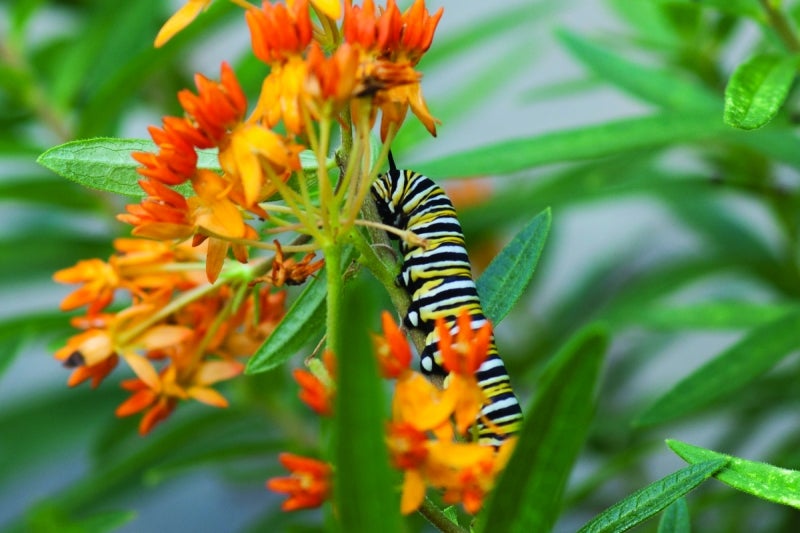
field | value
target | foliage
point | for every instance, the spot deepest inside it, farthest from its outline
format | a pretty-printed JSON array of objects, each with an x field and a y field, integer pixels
[{"x": 661, "y": 235}]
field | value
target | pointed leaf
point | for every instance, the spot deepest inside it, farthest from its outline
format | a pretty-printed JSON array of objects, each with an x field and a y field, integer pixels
[
  {"x": 666, "y": 89},
  {"x": 106, "y": 163},
  {"x": 675, "y": 518},
  {"x": 757, "y": 89},
  {"x": 737, "y": 366},
  {"x": 304, "y": 322},
  {"x": 365, "y": 490},
  {"x": 508, "y": 275},
  {"x": 763, "y": 480},
  {"x": 580, "y": 143},
  {"x": 646, "y": 502},
  {"x": 528, "y": 495}
]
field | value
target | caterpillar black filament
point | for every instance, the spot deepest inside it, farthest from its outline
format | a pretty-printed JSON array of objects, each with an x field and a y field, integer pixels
[{"x": 438, "y": 278}]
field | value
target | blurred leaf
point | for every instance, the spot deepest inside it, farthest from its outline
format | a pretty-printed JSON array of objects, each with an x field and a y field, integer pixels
[
  {"x": 48, "y": 190},
  {"x": 734, "y": 368},
  {"x": 528, "y": 495},
  {"x": 675, "y": 518},
  {"x": 757, "y": 90},
  {"x": 581, "y": 143},
  {"x": 106, "y": 101},
  {"x": 16, "y": 331},
  {"x": 476, "y": 35},
  {"x": 745, "y": 8},
  {"x": 712, "y": 315},
  {"x": 303, "y": 323},
  {"x": 49, "y": 519},
  {"x": 666, "y": 89},
  {"x": 364, "y": 488},
  {"x": 762, "y": 480},
  {"x": 458, "y": 102},
  {"x": 646, "y": 502},
  {"x": 507, "y": 276}
]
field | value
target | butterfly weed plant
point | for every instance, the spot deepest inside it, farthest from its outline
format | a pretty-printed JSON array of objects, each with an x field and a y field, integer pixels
[{"x": 257, "y": 302}]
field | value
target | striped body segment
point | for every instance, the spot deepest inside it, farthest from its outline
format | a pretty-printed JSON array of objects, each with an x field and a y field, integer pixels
[{"x": 438, "y": 278}]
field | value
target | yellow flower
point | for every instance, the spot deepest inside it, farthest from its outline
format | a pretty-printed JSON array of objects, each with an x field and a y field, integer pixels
[{"x": 182, "y": 18}]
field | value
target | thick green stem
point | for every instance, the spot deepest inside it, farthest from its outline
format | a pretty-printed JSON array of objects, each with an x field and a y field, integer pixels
[{"x": 333, "y": 269}]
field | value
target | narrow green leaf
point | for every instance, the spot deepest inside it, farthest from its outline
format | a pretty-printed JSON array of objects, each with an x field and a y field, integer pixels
[
  {"x": 737, "y": 366},
  {"x": 303, "y": 323},
  {"x": 649, "y": 500},
  {"x": 666, "y": 89},
  {"x": 711, "y": 315},
  {"x": 580, "y": 143},
  {"x": 528, "y": 495},
  {"x": 364, "y": 487},
  {"x": 675, "y": 518},
  {"x": 762, "y": 480},
  {"x": 757, "y": 90},
  {"x": 508, "y": 275}
]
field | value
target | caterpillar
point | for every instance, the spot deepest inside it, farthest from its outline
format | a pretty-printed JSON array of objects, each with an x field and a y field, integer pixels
[{"x": 438, "y": 278}]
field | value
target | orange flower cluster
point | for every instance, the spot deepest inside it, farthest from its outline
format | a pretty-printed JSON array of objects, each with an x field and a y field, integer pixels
[
  {"x": 428, "y": 436},
  {"x": 188, "y": 340}
]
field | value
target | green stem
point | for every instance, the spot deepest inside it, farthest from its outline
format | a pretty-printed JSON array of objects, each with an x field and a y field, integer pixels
[
  {"x": 333, "y": 269},
  {"x": 778, "y": 21},
  {"x": 437, "y": 518}
]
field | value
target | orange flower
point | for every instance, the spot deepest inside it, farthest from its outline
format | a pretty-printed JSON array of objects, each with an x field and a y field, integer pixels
[
  {"x": 277, "y": 32},
  {"x": 392, "y": 350},
  {"x": 392, "y": 45},
  {"x": 159, "y": 393},
  {"x": 217, "y": 107},
  {"x": 409, "y": 451},
  {"x": 318, "y": 387},
  {"x": 163, "y": 214},
  {"x": 422, "y": 405},
  {"x": 97, "y": 372},
  {"x": 308, "y": 486},
  {"x": 469, "y": 351},
  {"x": 182, "y": 18},
  {"x": 473, "y": 481},
  {"x": 176, "y": 159},
  {"x": 251, "y": 157},
  {"x": 332, "y": 81},
  {"x": 291, "y": 272},
  {"x": 99, "y": 280}
]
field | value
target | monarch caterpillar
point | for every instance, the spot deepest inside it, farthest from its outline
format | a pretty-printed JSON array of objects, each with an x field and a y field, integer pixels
[{"x": 438, "y": 278}]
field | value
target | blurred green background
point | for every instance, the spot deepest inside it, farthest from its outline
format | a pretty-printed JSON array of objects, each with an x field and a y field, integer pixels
[{"x": 677, "y": 231}]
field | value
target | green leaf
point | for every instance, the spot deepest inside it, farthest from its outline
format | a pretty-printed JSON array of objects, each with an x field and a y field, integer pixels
[
  {"x": 303, "y": 323},
  {"x": 508, "y": 275},
  {"x": 106, "y": 163},
  {"x": 757, "y": 90},
  {"x": 737, "y": 366},
  {"x": 711, "y": 315},
  {"x": 762, "y": 480},
  {"x": 675, "y": 518},
  {"x": 745, "y": 8},
  {"x": 666, "y": 89},
  {"x": 365, "y": 490},
  {"x": 580, "y": 143},
  {"x": 528, "y": 495},
  {"x": 646, "y": 502}
]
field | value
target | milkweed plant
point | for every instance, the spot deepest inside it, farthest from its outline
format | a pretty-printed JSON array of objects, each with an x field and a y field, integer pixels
[{"x": 283, "y": 299}]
